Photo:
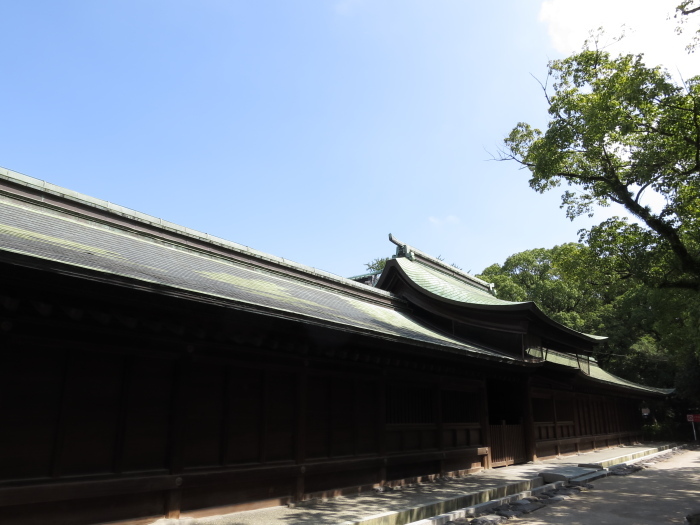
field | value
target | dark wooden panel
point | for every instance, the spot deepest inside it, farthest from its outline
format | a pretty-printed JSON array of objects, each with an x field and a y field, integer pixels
[
  {"x": 343, "y": 417},
  {"x": 507, "y": 445},
  {"x": 91, "y": 414},
  {"x": 87, "y": 511},
  {"x": 203, "y": 407},
  {"x": 233, "y": 493},
  {"x": 147, "y": 419},
  {"x": 542, "y": 409},
  {"x": 564, "y": 409},
  {"x": 407, "y": 404},
  {"x": 31, "y": 383},
  {"x": 245, "y": 391},
  {"x": 280, "y": 409},
  {"x": 341, "y": 479},
  {"x": 469, "y": 461},
  {"x": 96, "y": 488},
  {"x": 461, "y": 406},
  {"x": 318, "y": 421},
  {"x": 394, "y": 440},
  {"x": 367, "y": 413},
  {"x": 412, "y": 439},
  {"x": 409, "y": 470}
]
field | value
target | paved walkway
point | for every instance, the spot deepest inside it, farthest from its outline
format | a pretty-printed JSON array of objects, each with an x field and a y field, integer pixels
[
  {"x": 663, "y": 493},
  {"x": 420, "y": 501}
]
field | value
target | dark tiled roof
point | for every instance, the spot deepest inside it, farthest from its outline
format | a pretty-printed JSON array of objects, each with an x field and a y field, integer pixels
[
  {"x": 52, "y": 232},
  {"x": 49, "y": 234}
]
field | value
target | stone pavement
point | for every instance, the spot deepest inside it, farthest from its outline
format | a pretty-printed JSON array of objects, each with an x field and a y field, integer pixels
[
  {"x": 422, "y": 502},
  {"x": 663, "y": 492}
]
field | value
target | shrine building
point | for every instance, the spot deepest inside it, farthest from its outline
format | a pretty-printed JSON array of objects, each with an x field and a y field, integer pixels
[{"x": 150, "y": 370}]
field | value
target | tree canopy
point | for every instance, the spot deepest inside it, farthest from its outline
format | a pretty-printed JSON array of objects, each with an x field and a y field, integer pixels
[
  {"x": 376, "y": 265},
  {"x": 653, "y": 333},
  {"x": 683, "y": 11},
  {"x": 619, "y": 130}
]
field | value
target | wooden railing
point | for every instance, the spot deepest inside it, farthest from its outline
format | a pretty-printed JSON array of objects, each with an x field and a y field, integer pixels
[
  {"x": 551, "y": 430},
  {"x": 461, "y": 435}
]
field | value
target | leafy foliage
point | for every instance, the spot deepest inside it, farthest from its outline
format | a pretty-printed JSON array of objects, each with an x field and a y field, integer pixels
[
  {"x": 683, "y": 12},
  {"x": 555, "y": 279},
  {"x": 653, "y": 332},
  {"x": 618, "y": 132},
  {"x": 619, "y": 129},
  {"x": 376, "y": 265}
]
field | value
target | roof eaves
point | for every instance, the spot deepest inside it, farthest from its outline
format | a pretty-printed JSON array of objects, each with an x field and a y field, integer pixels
[
  {"x": 617, "y": 382},
  {"x": 122, "y": 211},
  {"x": 84, "y": 272}
]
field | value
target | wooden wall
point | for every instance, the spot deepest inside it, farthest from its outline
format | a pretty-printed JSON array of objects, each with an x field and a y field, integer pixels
[
  {"x": 120, "y": 404},
  {"x": 132, "y": 407},
  {"x": 568, "y": 422}
]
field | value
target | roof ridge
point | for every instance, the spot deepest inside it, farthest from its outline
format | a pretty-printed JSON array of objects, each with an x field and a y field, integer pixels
[
  {"x": 451, "y": 271},
  {"x": 43, "y": 186}
]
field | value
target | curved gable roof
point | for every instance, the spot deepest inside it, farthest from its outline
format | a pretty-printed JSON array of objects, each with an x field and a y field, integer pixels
[{"x": 445, "y": 283}]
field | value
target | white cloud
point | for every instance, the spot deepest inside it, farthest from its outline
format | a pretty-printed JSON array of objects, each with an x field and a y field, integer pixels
[
  {"x": 444, "y": 221},
  {"x": 648, "y": 27}
]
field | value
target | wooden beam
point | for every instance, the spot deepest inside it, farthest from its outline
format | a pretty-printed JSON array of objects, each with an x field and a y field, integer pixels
[
  {"x": 30, "y": 494},
  {"x": 529, "y": 424},
  {"x": 485, "y": 429}
]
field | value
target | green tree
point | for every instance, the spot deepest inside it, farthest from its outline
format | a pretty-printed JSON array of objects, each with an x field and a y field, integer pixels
[
  {"x": 683, "y": 12},
  {"x": 558, "y": 280},
  {"x": 376, "y": 265},
  {"x": 619, "y": 129},
  {"x": 653, "y": 333}
]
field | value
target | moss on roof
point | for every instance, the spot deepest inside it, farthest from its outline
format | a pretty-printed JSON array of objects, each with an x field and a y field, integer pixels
[{"x": 78, "y": 241}]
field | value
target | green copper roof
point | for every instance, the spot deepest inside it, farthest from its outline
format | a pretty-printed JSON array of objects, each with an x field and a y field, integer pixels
[
  {"x": 599, "y": 374},
  {"x": 447, "y": 286},
  {"x": 453, "y": 287},
  {"x": 52, "y": 232},
  {"x": 162, "y": 224},
  {"x": 79, "y": 241}
]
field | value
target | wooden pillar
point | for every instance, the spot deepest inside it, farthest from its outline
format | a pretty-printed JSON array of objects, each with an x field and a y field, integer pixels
[
  {"x": 381, "y": 426},
  {"x": 437, "y": 403},
  {"x": 175, "y": 448},
  {"x": 484, "y": 419},
  {"x": 529, "y": 424},
  {"x": 301, "y": 413},
  {"x": 59, "y": 435},
  {"x": 224, "y": 434},
  {"x": 556, "y": 425},
  {"x": 577, "y": 423},
  {"x": 265, "y": 414},
  {"x": 127, "y": 368},
  {"x": 173, "y": 501}
]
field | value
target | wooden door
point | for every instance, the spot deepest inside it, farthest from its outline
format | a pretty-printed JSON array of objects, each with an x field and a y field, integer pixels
[{"x": 507, "y": 445}]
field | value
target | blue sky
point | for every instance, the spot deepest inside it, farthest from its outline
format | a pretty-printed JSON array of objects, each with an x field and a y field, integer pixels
[{"x": 308, "y": 129}]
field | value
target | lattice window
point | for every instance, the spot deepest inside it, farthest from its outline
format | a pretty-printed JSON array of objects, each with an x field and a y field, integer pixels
[
  {"x": 460, "y": 406},
  {"x": 414, "y": 405}
]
